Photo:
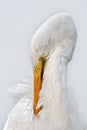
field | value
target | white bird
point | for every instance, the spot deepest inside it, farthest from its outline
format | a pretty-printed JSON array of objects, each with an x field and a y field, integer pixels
[{"x": 48, "y": 107}]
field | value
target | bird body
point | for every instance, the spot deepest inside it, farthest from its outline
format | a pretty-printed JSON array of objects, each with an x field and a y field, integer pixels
[{"x": 49, "y": 108}]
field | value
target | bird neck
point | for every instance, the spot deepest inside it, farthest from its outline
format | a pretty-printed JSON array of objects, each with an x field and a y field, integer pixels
[
  {"x": 53, "y": 93},
  {"x": 56, "y": 70},
  {"x": 55, "y": 83}
]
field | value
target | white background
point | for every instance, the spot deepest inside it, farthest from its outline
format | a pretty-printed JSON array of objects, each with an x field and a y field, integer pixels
[{"x": 19, "y": 19}]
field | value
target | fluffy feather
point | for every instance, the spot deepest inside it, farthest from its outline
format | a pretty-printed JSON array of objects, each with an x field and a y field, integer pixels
[
  {"x": 24, "y": 88},
  {"x": 56, "y": 37}
]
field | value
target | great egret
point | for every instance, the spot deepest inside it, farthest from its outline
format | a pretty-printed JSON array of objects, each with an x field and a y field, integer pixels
[{"x": 48, "y": 108}]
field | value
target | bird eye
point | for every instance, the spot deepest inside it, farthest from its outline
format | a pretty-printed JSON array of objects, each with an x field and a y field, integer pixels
[{"x": 41, "y": 58}]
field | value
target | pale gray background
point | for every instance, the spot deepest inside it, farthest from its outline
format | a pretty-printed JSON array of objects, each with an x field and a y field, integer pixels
[{"x": 18, "y": 21}]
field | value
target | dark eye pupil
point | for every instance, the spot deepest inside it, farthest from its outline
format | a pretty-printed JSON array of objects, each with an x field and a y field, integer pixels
[{"x": 41, "y": 58}]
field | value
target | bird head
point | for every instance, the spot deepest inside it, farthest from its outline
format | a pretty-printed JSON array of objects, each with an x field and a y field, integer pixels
[{"x": 58, "y": 31}]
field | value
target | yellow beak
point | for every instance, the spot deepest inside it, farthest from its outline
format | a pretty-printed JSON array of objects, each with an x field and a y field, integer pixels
[{"x": 38, "y": 79}]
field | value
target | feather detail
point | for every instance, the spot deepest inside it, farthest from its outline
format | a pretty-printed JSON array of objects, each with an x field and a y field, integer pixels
[
  {"x": 20, "y": 115},
  {"x": 25, "y": 88}
]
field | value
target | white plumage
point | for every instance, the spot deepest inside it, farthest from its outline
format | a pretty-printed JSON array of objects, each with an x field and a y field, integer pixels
[{"x": 55, "y": 38}]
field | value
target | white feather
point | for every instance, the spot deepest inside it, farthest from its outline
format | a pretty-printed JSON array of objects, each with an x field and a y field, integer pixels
[
  {"x": 56, "y": 37},
  {"x": 21, "y": 116},
  {"x": 25, "y": 88}
]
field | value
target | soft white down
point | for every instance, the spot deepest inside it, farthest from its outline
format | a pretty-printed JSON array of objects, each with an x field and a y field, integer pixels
[{"x": 56, "y": 38}]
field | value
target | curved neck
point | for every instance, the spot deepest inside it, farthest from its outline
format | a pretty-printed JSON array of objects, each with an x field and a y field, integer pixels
[
  {"x": 53, "y": 93},
  {"x": 54, "y": 85},
  {"x": 56, "y": 70}
]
